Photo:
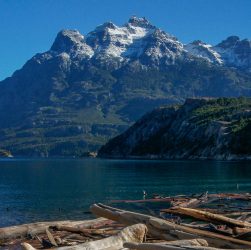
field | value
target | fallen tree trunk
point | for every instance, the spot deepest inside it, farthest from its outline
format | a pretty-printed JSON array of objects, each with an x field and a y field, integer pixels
[
  {"x": 207, "y": 216},
  {"x": 215, "y": 239},
  {"x": 164, "y": 229},
  {"x": 135, "y": 233},
  {"x": 24, "y": 230}
]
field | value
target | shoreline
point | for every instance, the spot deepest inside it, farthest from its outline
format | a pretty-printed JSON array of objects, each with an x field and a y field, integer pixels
[
  {"x": 113, "y": 222},
  {"x": 231, "y": 158}
]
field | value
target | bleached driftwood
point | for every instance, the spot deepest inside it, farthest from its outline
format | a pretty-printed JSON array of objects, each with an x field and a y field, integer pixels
[
  {"x": 27, "y": 246},
  {"x": 19, "y": 231},
  {"x": 186, "y": 203},
  {"x": 166, "y": 230},
  {"x": 193, "y": 242},
  {"x": 79, "y": 230},
  {"x": 167, "y": 245},
  {"x": 190, "y": 202},
  {"x": 207, "y": 216},
  {"x": 51, "y": 238},
  {"x": 134, "y": 233}
]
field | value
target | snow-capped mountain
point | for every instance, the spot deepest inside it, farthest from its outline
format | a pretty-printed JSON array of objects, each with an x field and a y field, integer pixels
[
  {"x": 87, "y": 88},
  {"x": 231, "y": 52},
  {"x": 139, "y": 40}
]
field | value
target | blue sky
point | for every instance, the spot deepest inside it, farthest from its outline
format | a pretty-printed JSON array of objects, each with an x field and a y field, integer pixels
[{"x": 30, "y": 26}]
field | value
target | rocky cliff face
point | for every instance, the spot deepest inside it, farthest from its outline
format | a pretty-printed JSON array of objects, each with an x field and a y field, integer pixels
[
  {"x": 87, "y": 89},
  {"x": 200, "y": 128}
]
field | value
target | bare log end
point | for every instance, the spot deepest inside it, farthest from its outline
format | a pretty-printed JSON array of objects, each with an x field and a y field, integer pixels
[{"x": 27, "y": 246}]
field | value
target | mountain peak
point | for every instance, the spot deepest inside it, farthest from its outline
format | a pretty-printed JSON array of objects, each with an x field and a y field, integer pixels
[
  {"x": 66, "y": 39},
  {"x": 203, "y": 50},
  {"x": 110, "y": 25},
  {"x": 140, "y": 22},
  {"x": 229, "y": 42},
  {"x": 198, "y": 42},
  {"x": 106, "y": 25}
]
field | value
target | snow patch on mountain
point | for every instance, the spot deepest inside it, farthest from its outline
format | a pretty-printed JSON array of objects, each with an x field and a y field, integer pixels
[
  {"x": 231, "y": 52},
  {"x": 205, "y": 51},
  {"x": 111, "y": 40},
  {"x": 235, "y": 52}
]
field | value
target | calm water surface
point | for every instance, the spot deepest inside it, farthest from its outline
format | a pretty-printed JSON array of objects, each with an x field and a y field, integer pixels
[{"x": 36, "y": 190}]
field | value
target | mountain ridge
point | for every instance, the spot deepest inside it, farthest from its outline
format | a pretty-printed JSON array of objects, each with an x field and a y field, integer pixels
[
  {"x": 114, "y": 41},
  {"x": 118, "y": 42}
]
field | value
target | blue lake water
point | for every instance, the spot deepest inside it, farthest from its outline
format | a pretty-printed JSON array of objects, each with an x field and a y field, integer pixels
[{"x": 56, "y": 189}]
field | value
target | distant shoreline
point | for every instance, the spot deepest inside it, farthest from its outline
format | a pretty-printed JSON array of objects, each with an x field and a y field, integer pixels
[
  {"x": 129, "y": 158},
  {"x": 153, "y": 157}
]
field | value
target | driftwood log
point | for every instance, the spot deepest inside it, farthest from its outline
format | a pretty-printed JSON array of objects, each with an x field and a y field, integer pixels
[
  {"x": 27, "y": 246},
  {"x": 239, "y": 230},
  {"x": 242, "y": 233},
  {"x": 51, "y": 238},
  {"x": 135, "y": 233},
  {"x": 166, "y": 230},
  {"x": 167, "y": 244},
  {"x": 189, "y": 202},
  {"x": 207, "y": 216},
  {"x": 85, "y": 231},
  {"x": 24, "y": 230}
]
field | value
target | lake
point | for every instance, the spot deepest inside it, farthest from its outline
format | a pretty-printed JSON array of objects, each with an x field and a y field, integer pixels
[{"x": 57, "y": 189}]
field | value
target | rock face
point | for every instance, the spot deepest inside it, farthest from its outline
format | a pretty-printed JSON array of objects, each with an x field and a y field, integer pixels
[
  {"x": 200, "y": 128},
  {"x": 87, "y": 89}
]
